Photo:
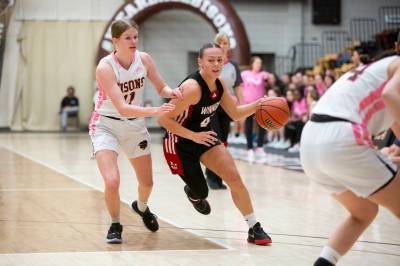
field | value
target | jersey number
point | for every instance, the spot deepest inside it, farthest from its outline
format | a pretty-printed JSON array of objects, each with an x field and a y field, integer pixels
[
  {"x": 131, "y": 97},
  {"x": 205, "y": 122}
]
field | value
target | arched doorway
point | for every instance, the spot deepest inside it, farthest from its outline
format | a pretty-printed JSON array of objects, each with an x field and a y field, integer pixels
[{"x": 219, "y": 13}]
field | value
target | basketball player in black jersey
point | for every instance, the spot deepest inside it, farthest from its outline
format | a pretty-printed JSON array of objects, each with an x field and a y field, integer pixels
[{"x": 190, "y": 138}]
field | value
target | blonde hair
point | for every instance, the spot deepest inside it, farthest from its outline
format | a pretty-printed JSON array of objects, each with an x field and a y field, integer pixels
[{"x": 221, "y": 35}]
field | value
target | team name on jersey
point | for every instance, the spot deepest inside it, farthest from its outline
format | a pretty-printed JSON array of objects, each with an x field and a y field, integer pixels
[
  {"x": 131, "y": 85},
  {"x": 209, "y": 109}
]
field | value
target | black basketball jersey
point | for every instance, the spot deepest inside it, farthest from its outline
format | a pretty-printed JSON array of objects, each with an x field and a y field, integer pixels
[{"x": 197, "y": 117}]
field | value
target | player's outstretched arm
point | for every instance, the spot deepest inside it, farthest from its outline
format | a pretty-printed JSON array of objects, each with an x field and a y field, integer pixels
[{"x": 108, "y": 82}]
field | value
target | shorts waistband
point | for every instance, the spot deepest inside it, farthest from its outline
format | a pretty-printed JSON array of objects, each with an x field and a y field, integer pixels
[
  {"x": 327, "y": 118},
  {"x": 117, "y": 118}
]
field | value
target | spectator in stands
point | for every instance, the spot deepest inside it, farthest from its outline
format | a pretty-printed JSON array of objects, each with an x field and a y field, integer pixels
[
  {"x": 275, "y": 83},
  {"x": 287, "y": 128},
  {"x": 328, "y": 80},
  {"x": 355, "y": 58},
  {"x": 254, "y": 88},
  {"x": 312, "y": 99},
  {"x": 299, "y": 115},
  {"x": 320, "y": 85},
  {"x": 297, "y": 79},
  {"x": 69, "y": 107},
  {"x": 285, "y": 80}
]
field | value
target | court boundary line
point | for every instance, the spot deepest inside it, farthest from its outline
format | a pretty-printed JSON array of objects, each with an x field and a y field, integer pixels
[
  {"x": 12, "y": 149},
  {"x": 190, "y": 230}
]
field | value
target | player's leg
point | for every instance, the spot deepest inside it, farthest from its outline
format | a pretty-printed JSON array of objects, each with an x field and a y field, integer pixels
[
  {"x": 213, "y": 180},
  {"x": 196, "y": 187},
  {"x": 136, "y": 145},
  {"x": 389, "y": 195},
  {"x": 218, "y": 156},
  {"x": 107, "y": 163},
  {"x": 221, "y": 124},
  {"x": 361, "y": 213},
  {"x": 144, "y": 174}
]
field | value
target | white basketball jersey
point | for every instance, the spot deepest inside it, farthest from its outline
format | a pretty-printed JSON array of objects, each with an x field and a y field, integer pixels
[
  {"x": 130, "y": 81},
  {"x": 357, "y": 96}
]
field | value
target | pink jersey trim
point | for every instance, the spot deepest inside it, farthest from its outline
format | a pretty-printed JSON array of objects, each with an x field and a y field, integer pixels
[
  {"x": 357, "y": 134},
  {"x": 374, "y": 98},
  {"x": 118, "y": 63},
  {"x": 95, "y": 115},
  {"x": 370, "y": 98}
]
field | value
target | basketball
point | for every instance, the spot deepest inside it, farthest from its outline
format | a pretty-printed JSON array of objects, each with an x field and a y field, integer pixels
[{"x": 273, "y": 113}]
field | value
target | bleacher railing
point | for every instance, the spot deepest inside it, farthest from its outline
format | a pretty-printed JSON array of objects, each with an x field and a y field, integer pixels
[
  {"x": 389, "y": 17},
  {"x": 300, "y": 56},
  {"x": 335, "y": 41},
  {"x": 363, "y": 29}
]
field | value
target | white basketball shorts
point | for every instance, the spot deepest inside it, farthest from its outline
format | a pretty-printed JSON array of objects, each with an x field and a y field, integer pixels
[
  {"x": 129, "y": 135},
  {"x": 331, "y": 157}
]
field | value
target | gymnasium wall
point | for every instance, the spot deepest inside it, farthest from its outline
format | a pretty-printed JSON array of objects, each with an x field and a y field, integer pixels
[{"x": 272, "y": 26}]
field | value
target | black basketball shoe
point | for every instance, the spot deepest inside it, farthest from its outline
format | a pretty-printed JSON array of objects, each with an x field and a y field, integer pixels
[
  {"x": 149, "y": 218},
  {"x": 214, "y": 181},
  {"x": 322, "y": 262},
  {"x": 114, "y": 234},
  {"x": 201, "y": 205},
  {"x": 258, "y": 236}
]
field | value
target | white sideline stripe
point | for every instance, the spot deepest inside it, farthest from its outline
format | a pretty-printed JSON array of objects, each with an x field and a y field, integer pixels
[
  {"x": 43, "y": 189},
  {"x": 100, "y": 189}
]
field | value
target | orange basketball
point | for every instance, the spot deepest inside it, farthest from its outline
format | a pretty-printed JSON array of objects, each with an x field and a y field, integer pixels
[{"x": 273, "y": 113}]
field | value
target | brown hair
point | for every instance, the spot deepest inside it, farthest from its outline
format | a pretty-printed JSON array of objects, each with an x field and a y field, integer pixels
[
  {"x": 119, "y": 26},
  {"x": 253, "y": 58},
  {"x": 206, "y": 46}
]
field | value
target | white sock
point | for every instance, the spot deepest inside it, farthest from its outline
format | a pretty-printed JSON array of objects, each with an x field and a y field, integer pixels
[
  {"x": 142, "y": 206},
  {"x": 250, "y": 219},
  {"x": 115, "y": 220},
  {"x": 330, "y": 255}
]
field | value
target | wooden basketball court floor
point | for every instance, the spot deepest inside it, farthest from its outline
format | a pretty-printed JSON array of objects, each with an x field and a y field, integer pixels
[{"x": 52, "y": 212}]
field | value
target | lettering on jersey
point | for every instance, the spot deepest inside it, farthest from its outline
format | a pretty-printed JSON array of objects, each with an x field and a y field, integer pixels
[
  {"x": 131, "y": 85},
  {"x": 209, "y": 109}
]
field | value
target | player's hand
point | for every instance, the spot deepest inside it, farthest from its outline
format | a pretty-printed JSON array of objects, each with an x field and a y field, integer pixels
[
  {"x": 262, "y": 100},
  {"x": 207, "y": 138},
  {"x": 392, "y": 152},
  {"x": 177, "y": 93},
  {"x": 165, "y": 108}
]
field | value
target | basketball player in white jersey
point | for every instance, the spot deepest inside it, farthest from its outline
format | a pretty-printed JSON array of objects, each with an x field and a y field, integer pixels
[
  {"x": 118, "y": 121},
  {"x": 336, "y": 149}
]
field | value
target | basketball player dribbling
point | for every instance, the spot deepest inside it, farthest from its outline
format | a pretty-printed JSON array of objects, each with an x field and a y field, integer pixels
[
  {"x": 190, "y": 138},
  {"x": 118, "y": 121},
  {"x": 336, "y": 149}
]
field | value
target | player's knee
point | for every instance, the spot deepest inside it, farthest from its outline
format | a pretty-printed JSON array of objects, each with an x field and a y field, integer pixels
[
  {"x": 112, "y": 184},
  {"x": 235, "y": 182},
  {"x": 367, "y": 214},
  {"x": 148, "y": 183}
]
